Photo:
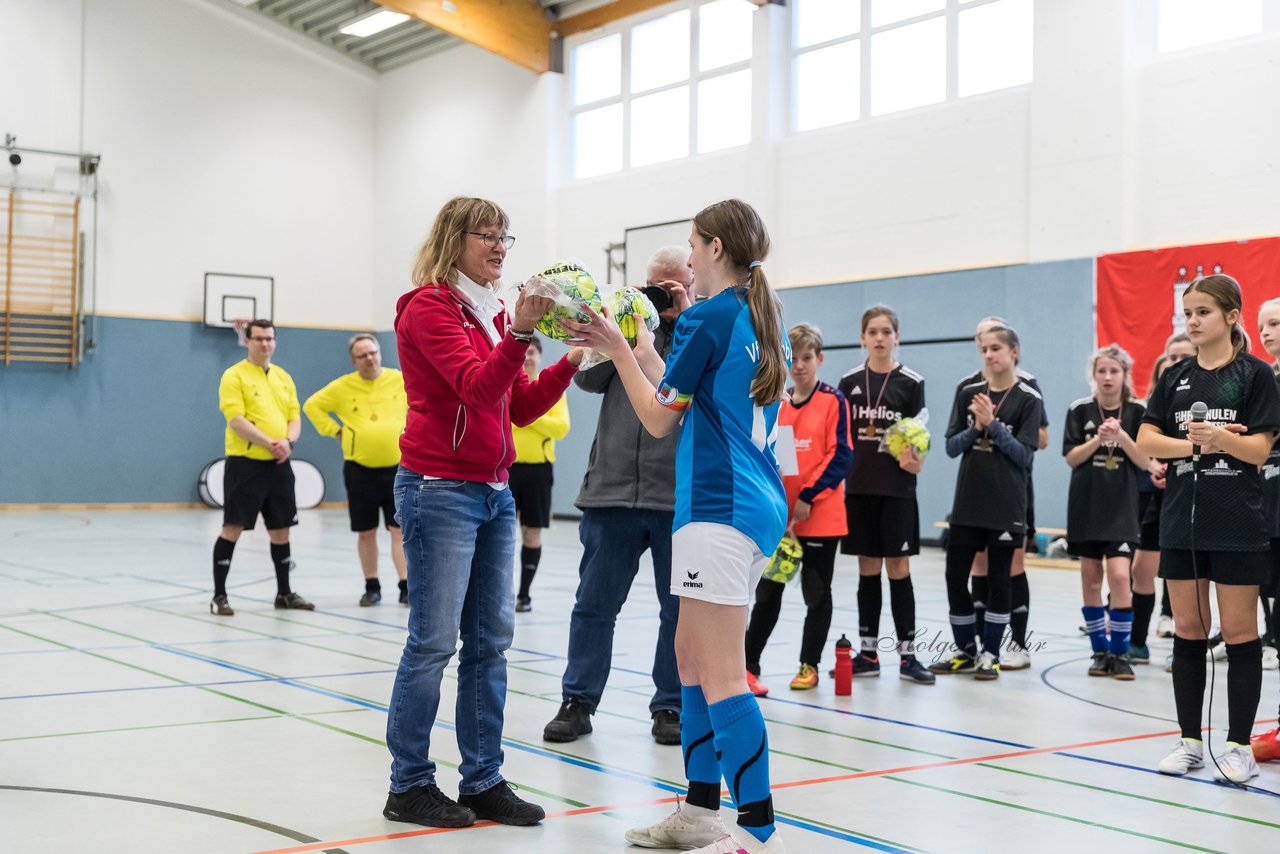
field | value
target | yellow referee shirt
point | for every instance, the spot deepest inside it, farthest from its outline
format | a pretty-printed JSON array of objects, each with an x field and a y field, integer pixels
[
  {"x": 372, "y": 415},
  {"x": 537, "y": 442},
  {"x": 267, "y": 399}
]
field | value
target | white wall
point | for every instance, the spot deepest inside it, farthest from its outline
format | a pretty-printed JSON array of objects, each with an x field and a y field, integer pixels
[
  {"x": 224, "y": 148},
  {"x": 1098, "y": 154}
]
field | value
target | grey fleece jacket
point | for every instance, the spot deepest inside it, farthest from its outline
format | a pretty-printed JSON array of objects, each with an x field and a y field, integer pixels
[{"x": 627, "y": 467}]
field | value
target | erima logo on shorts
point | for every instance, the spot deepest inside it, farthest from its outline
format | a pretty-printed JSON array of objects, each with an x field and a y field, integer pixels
[{"x": 693, "y": 580}]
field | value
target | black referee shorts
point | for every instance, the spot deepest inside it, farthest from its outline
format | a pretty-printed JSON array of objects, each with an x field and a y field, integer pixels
[
  {"x": 881, "y": 526},
  {"x": 368, "y": 491},
  {"x": 530, "y": 485},
  {"x": 1218, "y": 567},
  {"x": 250, "y": 487}
]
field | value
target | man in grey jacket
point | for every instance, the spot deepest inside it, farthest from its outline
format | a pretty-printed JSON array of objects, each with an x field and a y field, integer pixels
[{"x": 628, "y": 505}]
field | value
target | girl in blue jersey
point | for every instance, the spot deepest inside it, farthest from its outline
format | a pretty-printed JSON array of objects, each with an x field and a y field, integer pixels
[{"x": 724, "y": 377}]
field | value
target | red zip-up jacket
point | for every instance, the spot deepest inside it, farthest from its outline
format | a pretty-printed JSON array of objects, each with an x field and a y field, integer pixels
[{"x": 464, "y": 393}]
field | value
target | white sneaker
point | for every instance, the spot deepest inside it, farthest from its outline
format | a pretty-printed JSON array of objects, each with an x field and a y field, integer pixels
[
  {"x": 1164, "y": 628},
  {"x": 1236, "y": 764},
  {"x": 1217, "y": 653},
  {"x": 741, "y": 842},
  {"x": 1015, "y": 658},
  {"x": 687, "y": 827},
  {"x": 1187, "y": 756},
  {"x": 1270, "y": 658}
]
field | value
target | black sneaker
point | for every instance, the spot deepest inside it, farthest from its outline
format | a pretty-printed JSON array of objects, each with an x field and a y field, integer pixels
[
  {"x": 219, "y": 607},
  {"x": 1121, "y": 669},
  {"x": 427, "y": 805},
  {"x": 499, "y": 803},
  {"x": 1100, "y": 664},
  {"x": 523, "y": 604},
  {"x": 959, "y": 663},
  {"x": 370, "y": 598},
  {"x": 293, "y": 602},
  {"x": 573, "y": 720},
  {"x": 404, "y": 596},
  {"x": 666, "y": 726}
]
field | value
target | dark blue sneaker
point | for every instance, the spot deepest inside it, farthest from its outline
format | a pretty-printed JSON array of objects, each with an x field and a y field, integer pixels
[
  {"x": 866, "y": 665},
  {"x": 911, "y": 670}
]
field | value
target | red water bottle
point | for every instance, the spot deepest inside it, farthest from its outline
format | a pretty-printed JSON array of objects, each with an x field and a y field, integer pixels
[{"x": 844, "y": 667}]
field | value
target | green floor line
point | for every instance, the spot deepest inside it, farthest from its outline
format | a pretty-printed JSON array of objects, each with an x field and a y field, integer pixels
[
  {"x": 175, "y": 725},
  {"x": 1047, "y": 814},
  {"x": 860, "y": 738}
]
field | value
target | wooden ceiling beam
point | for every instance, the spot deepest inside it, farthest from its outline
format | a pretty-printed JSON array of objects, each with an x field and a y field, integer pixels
[
  {"x": 602, "y": 15},
  {"x": 515, "y": 30}
]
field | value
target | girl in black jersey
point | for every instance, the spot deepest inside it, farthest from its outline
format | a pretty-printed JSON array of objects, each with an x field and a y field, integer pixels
[
  {"x": 1266, "y": 746},
  {"x": 1212, "y": 526},
  {"x": 994, "y": 427},
  {"x": 1146, "y": 560},
  {"x": 1102, "y": 504},
  {"x": 1177, "y": 349},
  {"x": 1016, "y": 656},
  {"x": 880, "y": 494}
]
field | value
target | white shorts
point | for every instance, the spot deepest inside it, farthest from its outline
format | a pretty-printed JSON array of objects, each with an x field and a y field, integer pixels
[{"x": 715, "y": 563}]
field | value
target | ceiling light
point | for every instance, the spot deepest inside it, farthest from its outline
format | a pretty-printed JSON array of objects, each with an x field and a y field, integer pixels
[{"x": 375, "y": 23}]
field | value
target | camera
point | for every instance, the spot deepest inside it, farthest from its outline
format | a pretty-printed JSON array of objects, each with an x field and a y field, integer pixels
[
  {"x": 15, "y": 159},
  {"x": 659, "y": 296}
]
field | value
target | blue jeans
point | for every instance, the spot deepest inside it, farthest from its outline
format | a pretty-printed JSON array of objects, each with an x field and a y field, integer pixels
[
  {"x": 613, "y": 539},
  {"x": 459, "y": 542}
]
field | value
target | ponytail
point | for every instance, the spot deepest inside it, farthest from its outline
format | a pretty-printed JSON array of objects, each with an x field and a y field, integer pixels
[
  {"x": 770, "y": 379},
  {"x": 1239, "y": 339}
]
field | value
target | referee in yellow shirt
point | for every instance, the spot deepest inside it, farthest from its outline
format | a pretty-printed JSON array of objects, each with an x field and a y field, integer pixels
[
  {"x": 531, "y": 479},
  {"x": 370, "y": 406},
  {"x": 260, "y": 403}
]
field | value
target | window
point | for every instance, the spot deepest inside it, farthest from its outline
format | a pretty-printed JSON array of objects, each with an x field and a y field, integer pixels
[
  {"x": 663, "y": 88},
  {"x": 902, "y": 54},
  {"x": 1182, "y": 24}
]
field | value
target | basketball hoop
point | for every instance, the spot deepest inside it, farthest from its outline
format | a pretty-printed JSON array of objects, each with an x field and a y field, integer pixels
[{"x": 240, "y": 324}]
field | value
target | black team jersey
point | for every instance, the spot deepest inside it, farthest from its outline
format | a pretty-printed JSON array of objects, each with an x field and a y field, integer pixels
[
  {"x": 1271, "y": 487},
  {"x": 876, "y": 402},
  {"x": 1023, "y": 376},
  {"x": 1229, "y": 504},
  {"x": 1102, "y": 502},
  {"x": 991, "y": 487}
]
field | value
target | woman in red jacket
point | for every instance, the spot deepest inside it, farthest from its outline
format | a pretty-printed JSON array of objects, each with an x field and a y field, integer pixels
[{"x": 463, "y": 365}]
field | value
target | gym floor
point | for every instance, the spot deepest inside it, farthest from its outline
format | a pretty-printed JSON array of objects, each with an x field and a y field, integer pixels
[{"x": 133, "y": 721}]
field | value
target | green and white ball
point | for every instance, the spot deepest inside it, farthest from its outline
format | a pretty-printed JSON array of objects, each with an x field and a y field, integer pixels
[{"x": 575, "y": 286}]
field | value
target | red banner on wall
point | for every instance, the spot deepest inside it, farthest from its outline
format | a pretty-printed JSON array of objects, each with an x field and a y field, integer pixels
[{"x": 1139, "y": 294}]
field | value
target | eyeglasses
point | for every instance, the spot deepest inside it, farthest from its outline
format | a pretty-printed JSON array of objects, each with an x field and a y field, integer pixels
[{"x": 492, "y": 240}]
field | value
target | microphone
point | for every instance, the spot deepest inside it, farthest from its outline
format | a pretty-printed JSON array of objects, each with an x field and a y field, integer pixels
[{"x": 1198, "y": 413}]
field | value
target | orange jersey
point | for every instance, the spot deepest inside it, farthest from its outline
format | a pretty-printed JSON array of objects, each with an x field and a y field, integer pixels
[{"x": 823, "y": 452}]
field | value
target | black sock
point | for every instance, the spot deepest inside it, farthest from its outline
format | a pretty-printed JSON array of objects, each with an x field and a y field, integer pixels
[
  {"x": 404, "y": 585},
  {"x": 1166, "y": 609},
  {"x": 1020, "y": 599},
  {"x": 705, "y": 795},
  {"x": 981, "y": 592},
  {"x": 372, "y": 585},
  {"x": 280, "y": 557},
  {"x": 529, "y": 560},
  {"x": 1188, "y": 684},
  {"x": 870, "y": 601},
  {"x": 1244, "y": 687},
  {"x": 222, "y": 550},
  {"x": 1144, "y": 605},
  {"x": 902, "y": 602}
]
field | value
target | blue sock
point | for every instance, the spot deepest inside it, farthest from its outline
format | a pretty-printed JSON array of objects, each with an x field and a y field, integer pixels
[
  {"x": 1121, "y": 627},
  {"x": 1095, "y": 623},
  {"x": 993, "y": 632},
  {"x": 701, "y": 768},
  {"x": 963, "y": 627},
  {"x": 743, "y": 747}
]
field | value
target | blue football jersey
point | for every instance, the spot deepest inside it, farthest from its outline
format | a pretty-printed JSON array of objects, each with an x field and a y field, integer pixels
[{"x": 726, "y": 471}]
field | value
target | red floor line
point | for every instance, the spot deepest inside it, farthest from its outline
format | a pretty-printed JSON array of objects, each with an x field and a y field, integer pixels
[
  {"x": 431, "y": 831},
  {"x": 428, "y": 831}
]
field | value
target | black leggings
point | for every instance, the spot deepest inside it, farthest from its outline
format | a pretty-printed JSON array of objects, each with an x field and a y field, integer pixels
[
  {"x": 817, "y": 568},
  {"x": 965, "y": 543}
]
